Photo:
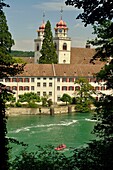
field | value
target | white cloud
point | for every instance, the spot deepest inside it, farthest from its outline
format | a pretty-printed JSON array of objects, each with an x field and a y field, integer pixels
[{"x": 53, "y": 6}]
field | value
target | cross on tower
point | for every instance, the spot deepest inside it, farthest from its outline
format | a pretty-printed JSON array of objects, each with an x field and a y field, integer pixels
[
  {"x": 61, "y": 11},
  {"x": 43, "y": 17}
]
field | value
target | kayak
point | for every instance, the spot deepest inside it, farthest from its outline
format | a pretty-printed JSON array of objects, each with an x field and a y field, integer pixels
[{"x": 60, "y": 147}]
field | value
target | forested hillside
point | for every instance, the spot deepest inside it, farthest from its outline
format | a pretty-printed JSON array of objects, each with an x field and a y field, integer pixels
[{"x": 22, "y": 53}]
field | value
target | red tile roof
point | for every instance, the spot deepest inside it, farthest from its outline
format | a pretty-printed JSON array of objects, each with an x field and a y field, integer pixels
[
  {"x": 47, "y": 70},
  {"x": 80, "y": 66}
]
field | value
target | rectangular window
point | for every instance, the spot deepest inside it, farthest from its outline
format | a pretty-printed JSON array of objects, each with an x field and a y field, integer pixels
[
  {"x": 8, "y": 87},
  {"x": 26, "y": 88},
  {"x": 64, "y": 79},
  {"x": 7, "y": 80},
  {"x": 20, "y": 79},
  {"x": 26, "y": 80},
  {"x": 71, "y": 79},
  {"x": 38, "y": 78},
  {"x": 1, "y": 80},
  {"x": 50, "y": 93},
  {"x": 44, "y": 93},
  {"x": 44, "y": 78},
  {"x": 38, "y": 93},
  {"x": 77, "y": 88},
  {"x": 14, "y": 88},
  {"x": 50, "y": 78},
  {"x": 20, "y": 88},
  {"x": 71, "y": 88},
  {"x": 58, "y": 98},
  {"x": 32, "y": 79},
  {"x": 58, "y": 79},
  {"x": 58, "y": 88},
  {"x": 44, "y": 84},
  {"x": 64, "y": 88},
  {"x": 32, "y": 88},
  {"x": 50, "y": 84},
  {"x": 14, "y": 80},
  {"x": 38, "y": 84}
]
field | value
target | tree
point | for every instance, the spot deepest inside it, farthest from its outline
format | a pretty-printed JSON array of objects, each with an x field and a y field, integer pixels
[
  {"x": 100, "y": 15},
  {"x": 93, "y": 11},
  {"x": 66, "y": 98},
  {"x": 84, "y": 95},
  {"x": 8, "y": 67},
  {"x": 103, "y": 41},
  {"x": 29, "y": 97},
  {"x": 44, "y": 100},
  {"x": 48, "y": 51}
]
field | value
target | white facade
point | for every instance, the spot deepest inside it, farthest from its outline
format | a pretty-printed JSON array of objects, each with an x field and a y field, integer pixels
[
  {"x": 63, "y": 50},
  {"x": 38, "y": 42},
  {"x": 54, "y": 86}
]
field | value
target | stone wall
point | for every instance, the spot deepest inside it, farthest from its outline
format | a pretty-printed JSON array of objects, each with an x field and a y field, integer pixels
[{"x": 44, "y": 111}]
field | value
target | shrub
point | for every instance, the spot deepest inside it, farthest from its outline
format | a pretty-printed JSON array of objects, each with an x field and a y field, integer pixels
[
  {"x": 18, "y": 104},
  {"x": 32, "y": 105}
]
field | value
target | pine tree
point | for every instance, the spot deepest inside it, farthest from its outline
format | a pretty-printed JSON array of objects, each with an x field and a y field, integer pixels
[
  {"x": 8, "y": 67},
  {"x": 48, "y": 51}
]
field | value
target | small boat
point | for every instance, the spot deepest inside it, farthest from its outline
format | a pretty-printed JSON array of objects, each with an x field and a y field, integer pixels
[{"x": 60, "y": 147}]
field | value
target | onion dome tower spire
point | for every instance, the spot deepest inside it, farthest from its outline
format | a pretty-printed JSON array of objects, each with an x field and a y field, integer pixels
[
  {"x": 39, "y": 40},
  {"x": 62, "y": 41},
  {"x": 41, "y": 28},
  {"x": 61, "y": 29}
]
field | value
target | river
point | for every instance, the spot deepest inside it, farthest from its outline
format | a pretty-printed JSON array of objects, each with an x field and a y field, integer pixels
[{"x": 73, "y": 130}]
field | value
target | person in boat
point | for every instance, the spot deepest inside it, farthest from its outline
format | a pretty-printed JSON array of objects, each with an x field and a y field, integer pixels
[{"x": 61, "y": 146}]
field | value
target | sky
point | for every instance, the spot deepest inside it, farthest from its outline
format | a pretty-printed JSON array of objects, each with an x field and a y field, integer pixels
[{"x": 25, "y": 16}]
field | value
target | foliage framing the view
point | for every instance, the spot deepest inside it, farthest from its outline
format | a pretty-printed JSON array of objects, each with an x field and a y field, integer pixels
[
  {"x": 8, "y": 67},
  {"x": 100, "y": 15}
]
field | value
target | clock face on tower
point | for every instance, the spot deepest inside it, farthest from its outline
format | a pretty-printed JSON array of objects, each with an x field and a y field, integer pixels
[{"x": 60, "y": 30}]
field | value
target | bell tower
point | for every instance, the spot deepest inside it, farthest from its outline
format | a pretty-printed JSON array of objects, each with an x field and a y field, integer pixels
[
  {"x": 39, "y": 41},
  {"x": 62, "y": 42}
]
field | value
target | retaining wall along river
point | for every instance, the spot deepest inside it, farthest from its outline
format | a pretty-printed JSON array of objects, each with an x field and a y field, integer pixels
[{"x": 44, "y": 110}]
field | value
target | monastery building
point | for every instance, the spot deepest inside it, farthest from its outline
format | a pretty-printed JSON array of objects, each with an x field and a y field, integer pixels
[{"x": 56, "y": 79}]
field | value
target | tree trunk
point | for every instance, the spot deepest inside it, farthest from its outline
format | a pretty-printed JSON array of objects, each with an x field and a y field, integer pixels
[{"x": 4, "y": 158}]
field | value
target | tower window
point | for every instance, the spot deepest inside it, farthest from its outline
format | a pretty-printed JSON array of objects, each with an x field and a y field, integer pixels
[
  {"x": 55, "y": 46},
  {"x": 64, "y": 46},
  {"x": 37, "y": 47},
  {"x": 64, "y": 61}
]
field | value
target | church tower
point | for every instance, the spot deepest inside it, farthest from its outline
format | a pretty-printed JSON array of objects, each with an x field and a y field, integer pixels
[
  {"x": 62, "y": 42},
  {"x": 39, "y": 41}
]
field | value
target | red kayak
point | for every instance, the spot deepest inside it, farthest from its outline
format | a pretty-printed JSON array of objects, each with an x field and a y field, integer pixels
[{"x": 60, "y": 147}]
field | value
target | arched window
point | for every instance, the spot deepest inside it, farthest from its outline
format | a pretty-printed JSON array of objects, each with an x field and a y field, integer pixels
[
  {"x": 37, "y": 47},
  {"x": 55, "y": 46},
  {"x": 64, "y": 46}
]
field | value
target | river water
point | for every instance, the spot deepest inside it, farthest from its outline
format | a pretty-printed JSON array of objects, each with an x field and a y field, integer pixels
[{"x": 73, "y": 130}]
